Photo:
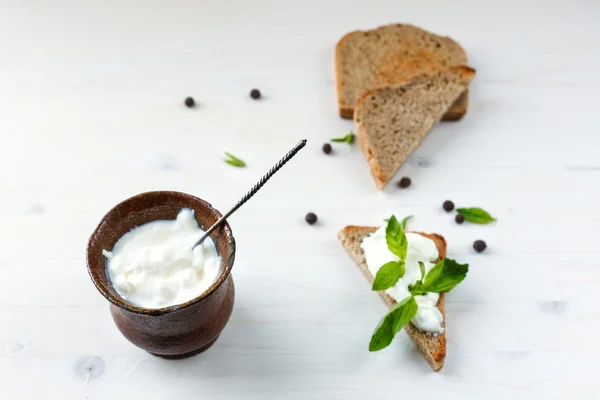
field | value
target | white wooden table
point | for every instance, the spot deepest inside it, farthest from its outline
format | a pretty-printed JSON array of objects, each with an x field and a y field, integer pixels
[{"x": 91, "y": 112}]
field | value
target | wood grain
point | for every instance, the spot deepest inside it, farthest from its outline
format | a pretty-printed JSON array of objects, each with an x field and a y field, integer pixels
[{"x": 92, "y": 92}]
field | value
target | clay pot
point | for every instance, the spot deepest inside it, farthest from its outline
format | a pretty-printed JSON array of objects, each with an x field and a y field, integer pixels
[{"x": 177, "y": 331}]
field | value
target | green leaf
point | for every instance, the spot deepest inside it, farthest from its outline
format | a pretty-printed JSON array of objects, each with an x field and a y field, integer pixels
[
  {"x": 349, "y": 138},
  {"x": 444, "y": 276},
  {"x": 392, "y": 323},
  {"x": 395, "y": 238},
  {"x": 404, "y": 221},
  {"x": 233, "y": 160},
  {"x": 422, "y": 268},
  {"x": 388, "y": 275},
  {"x": 476, "y": 215},
  {"x": 415, "y": 289}
]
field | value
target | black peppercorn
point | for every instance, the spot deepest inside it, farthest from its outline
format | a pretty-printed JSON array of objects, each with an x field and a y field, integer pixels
[
  {"x": 459, "y": 218},
  {"x": 311, "y": 218},
  {"x": 189, "y": 102},
  {"x": 255, "y": 94},
  {"x": 327, "y": 148},
  {"x": 479, "y": 246},
  {"x": 448, "y": 206},
  {"x": 404, "y": 182}
]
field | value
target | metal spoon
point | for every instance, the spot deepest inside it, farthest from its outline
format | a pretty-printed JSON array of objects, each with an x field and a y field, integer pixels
[{"x": 253, "y": 191}]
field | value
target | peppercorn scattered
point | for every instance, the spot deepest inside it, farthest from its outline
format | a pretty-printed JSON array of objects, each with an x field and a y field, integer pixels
[
  {"x": 255, "y": 94},
  {"x": 404, "y": 182},
  {"x": 479, "y": 246},
  {"x": 311, "y": 218},
  {"x": 459, "y": 218},
  {"x": 448, "y": 206},
  {"x": 327, "y": 148},
  {"x": 189, "y": 102}
]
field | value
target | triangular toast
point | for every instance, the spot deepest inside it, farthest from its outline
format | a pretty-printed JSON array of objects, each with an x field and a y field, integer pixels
[
  {"x": 392, "y": 121},
  {"x": 432, "y": 347},
  {"x": 389, "y": 54}
]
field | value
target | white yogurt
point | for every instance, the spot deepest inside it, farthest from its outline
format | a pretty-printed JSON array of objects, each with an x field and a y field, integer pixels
[
  {"x": 420, "y": 248},
  {"x": 153, "y": 265}
]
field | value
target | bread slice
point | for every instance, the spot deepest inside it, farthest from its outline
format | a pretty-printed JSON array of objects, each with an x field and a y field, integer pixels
[
  {"x": 392, "y": 121},
  {"x": 432, "y": 347},
  {"x": 365, "y": 60}
]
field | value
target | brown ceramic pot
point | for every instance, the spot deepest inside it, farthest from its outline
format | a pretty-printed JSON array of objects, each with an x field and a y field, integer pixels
[{"x": 177, "y": 331}]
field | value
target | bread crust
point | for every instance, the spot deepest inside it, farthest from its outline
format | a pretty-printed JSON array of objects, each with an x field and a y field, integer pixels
[{"x": 433, "y": 348}]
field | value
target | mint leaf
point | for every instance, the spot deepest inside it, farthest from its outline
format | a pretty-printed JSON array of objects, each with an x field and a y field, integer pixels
[
  {"x": 395, "y": 238},
  {"x": 233, "y": 160},
  {"x": 392, "y": 323},
  {"x": 443, "y": 277},
  {"x": 388, "y": 275},
  {"x": 404, "y": 221},
  {"x": 349, "y": 138},
  {"x": 476, "y": 215}
]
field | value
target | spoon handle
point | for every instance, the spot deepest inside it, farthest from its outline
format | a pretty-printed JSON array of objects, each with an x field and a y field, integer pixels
[{"x": 254, "y": 189}]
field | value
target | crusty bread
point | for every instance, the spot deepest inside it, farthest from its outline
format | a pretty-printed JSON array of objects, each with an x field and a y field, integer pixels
[
  {"x": 392, "y": 121},
  {"x": 432, "y": 347},
  {"x": 365, "y": 60}
]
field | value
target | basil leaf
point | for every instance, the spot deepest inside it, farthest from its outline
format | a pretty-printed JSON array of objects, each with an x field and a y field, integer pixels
[
  {"x": 349, "y": 138},
  {"x": 395, "y": 238},
  {"x": 444, "y": 276},
  {"x": 392, "y": 323},
  {"x": 476, "y": 215},
  {"x": 233, "y": 160},
  {"x": 404, "y": 221},
  {"x": 422, "y": 268},
  {"x": 415, "y": 289},
  {"x": 388, "y": 275}
]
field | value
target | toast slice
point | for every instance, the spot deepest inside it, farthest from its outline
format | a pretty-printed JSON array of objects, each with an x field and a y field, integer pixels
[
  {"x": 432, "y": 347},
  {"x": 365, "y": 60},
  {"x": 392, "y": 121}
]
